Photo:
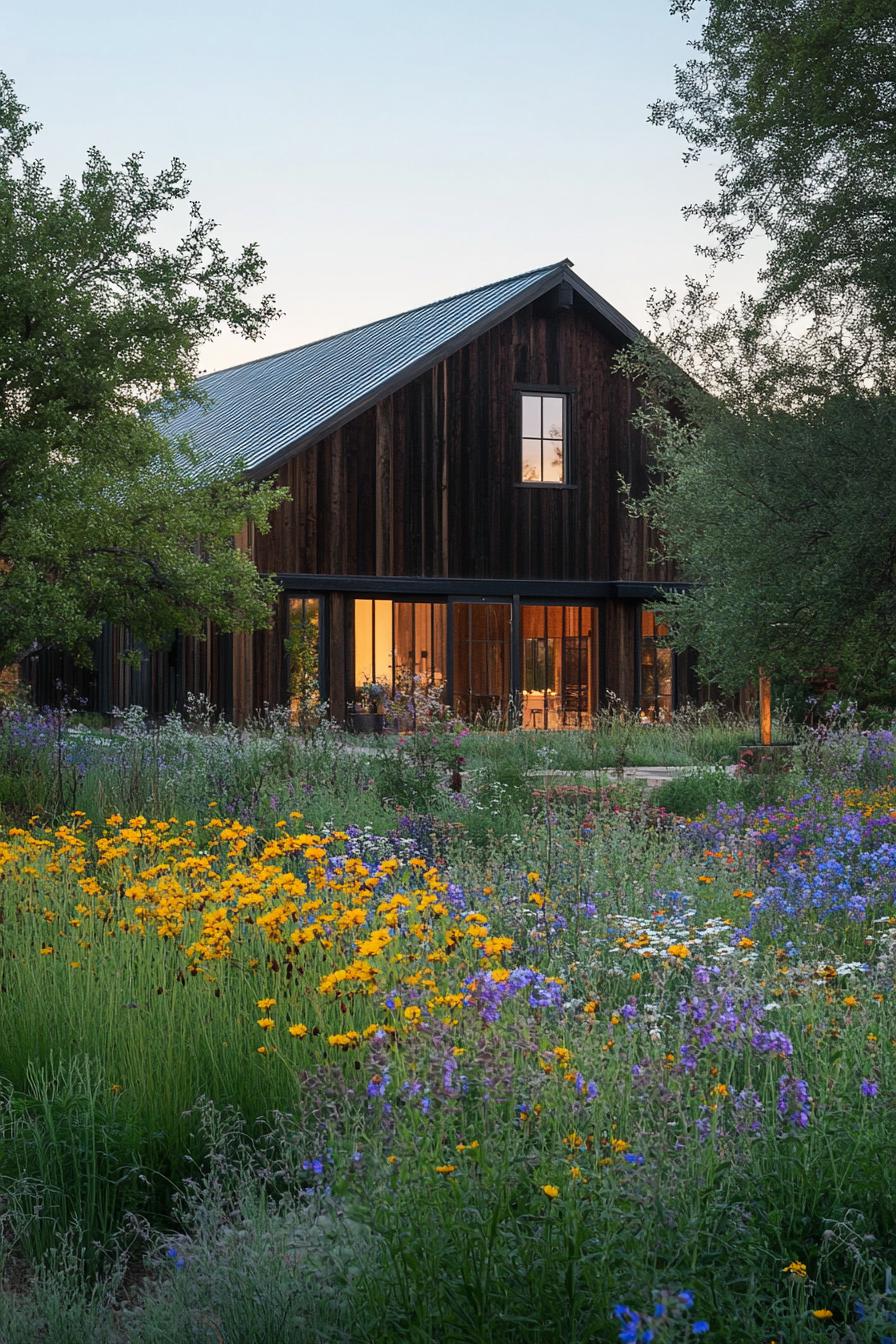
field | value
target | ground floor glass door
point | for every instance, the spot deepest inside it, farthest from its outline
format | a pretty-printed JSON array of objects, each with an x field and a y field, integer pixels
[
  {"x": 657, "y": 670},
  {"x": 482, "y": 661},
  {"x": 501, "y": 663},
  {"x": 558, "y": 666}
]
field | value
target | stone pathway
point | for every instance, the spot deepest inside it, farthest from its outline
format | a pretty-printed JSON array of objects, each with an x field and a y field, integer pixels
[{"x": 652, "y": 776}]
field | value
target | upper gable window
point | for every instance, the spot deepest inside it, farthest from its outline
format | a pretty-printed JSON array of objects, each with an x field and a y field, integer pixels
[{"x": 544, "y": 435}]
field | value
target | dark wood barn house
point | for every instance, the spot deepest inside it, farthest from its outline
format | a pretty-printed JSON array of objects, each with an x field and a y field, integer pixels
[{"x": 454, "y": 515}]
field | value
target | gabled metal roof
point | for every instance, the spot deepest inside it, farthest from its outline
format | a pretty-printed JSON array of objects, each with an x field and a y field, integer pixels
[{"x": 262, "y": 412}]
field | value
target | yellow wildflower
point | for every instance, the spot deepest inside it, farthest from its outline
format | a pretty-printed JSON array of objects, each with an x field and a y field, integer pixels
[{"x": 344, "y": 1039}]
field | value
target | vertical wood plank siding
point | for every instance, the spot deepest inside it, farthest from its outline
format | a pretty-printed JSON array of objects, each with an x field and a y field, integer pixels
[
  {"x": 427, "y": 481},
  {"x": 427, "y": 484}
]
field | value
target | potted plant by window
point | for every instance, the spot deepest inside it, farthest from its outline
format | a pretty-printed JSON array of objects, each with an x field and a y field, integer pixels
[{"x": 367, "y": 714}]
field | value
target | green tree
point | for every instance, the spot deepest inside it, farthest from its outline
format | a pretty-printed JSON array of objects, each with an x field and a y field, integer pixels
[
  {"x": 798, "y": 100},
  {"x": 101, "y": 518},
  {"x": 777, "y": 498},
  {"x": 774, "y": 420}
]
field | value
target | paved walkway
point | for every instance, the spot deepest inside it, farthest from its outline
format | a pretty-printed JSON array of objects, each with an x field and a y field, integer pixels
[{"x": 650, "y": 775}]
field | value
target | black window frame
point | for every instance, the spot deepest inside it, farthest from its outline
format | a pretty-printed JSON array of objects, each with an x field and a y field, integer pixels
[
  {"x": 571, "y": 631},
  {"x": 566, "y": 395}
]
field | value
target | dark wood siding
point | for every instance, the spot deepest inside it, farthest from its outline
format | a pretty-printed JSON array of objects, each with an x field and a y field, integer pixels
[
  {"x": 159, "y": 682},
  {"x": 427, "y": 482}
]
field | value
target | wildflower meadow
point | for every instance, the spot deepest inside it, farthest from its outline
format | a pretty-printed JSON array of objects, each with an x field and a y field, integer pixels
[{"x": 509, "y": 1062}]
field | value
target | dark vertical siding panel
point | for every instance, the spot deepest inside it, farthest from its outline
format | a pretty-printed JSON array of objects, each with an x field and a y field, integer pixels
[
  {"x": 339, "y": 654},
  {"x": 383, "y": 488},
  {"x": 620, "y": 649}
]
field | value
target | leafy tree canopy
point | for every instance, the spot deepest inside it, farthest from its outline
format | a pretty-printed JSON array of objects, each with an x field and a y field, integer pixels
[
  {"x": 101, "y": 518},
  {"x": 798, "y": 98},
  {"x": 774, "y": 420}
]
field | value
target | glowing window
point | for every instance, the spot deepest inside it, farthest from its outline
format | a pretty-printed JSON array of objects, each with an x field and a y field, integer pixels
[
  {"x": 657, "y": 669},
  {"x": 543, "y": 438}
]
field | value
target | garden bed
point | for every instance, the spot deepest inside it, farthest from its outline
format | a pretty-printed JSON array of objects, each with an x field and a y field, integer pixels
[{"x": 515, "y": 1066}]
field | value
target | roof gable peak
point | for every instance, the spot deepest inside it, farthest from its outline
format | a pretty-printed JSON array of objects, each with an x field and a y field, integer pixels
[
  {"x": 558, "y": 266},
  {"x": 261, "y": 412}
]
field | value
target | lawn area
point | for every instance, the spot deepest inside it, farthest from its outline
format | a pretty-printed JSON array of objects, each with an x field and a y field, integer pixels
[{"x": 302, "y": 1043}]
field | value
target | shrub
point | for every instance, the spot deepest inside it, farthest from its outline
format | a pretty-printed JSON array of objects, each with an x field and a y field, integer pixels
[{"x": 699, "y": 791}]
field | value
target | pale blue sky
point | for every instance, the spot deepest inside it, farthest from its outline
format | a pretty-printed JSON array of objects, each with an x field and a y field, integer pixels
[{"x": 383, "y": 155}]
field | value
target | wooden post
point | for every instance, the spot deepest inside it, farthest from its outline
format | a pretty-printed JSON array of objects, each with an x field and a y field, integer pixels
[
  {"x": 456, "y": 777},
  {"x": 765, "y": 709}
]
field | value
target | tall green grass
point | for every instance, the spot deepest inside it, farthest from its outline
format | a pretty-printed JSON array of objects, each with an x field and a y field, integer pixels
[{"x": 617, "y": 738}]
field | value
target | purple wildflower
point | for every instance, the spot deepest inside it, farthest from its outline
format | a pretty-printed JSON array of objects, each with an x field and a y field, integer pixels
[
  {"x": 772, "y": 1042},
  {"x": 794, "y": 1101}
]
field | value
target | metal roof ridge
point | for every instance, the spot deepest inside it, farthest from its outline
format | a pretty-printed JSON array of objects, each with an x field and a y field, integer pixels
[{"x": 391, "y": 317}]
